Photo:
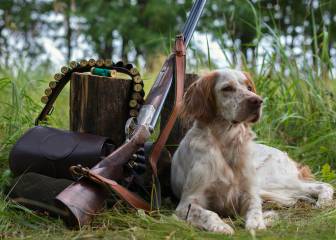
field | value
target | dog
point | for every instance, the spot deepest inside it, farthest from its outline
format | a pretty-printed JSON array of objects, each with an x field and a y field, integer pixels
[{"x": 219, "y": 171}]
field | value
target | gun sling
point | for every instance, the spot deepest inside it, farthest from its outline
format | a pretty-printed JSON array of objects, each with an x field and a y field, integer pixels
[
  {"x": 131, "y": 198},
  {"x": 84, "y": 199},
  {"x": 180, "y": 52},
  {"x": 128, "y": 196},
  {"x": 51, "y": 152}
]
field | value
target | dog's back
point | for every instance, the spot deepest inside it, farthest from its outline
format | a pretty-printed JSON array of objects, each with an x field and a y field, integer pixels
[{"x": 218, "y": 169}]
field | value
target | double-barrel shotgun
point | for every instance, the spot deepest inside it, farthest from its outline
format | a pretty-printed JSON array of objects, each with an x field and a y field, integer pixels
[{"x": 84, "y": 199}]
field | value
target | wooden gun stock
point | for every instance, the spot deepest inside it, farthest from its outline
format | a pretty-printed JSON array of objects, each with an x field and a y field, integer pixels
[{"x": 84, "y": 199}]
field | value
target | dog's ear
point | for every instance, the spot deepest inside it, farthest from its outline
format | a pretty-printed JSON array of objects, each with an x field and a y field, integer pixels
[
  {"x": 249, "y": 81},
  {"x": 199, "y": 100}
]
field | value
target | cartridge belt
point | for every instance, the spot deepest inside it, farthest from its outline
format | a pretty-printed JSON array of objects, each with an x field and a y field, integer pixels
[{"x": 63, "y": 77}]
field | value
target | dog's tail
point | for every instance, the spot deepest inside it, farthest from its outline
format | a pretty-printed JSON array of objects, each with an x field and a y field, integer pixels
[{"x": 286, "y": 198}]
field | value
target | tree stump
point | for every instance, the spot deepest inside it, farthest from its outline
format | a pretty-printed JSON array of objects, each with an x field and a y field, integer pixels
[
  {"x": 99, "y": 105},
  {"x": 179, "y": 129}
]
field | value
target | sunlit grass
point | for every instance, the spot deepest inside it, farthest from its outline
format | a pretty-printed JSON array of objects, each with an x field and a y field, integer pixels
[{"x": 299, "y": 117}]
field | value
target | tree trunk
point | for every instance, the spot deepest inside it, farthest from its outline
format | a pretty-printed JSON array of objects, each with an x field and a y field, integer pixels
[
  {"x": 108, "y": 48},
  {"x": 99, "y": 105},
  {"x": 68, "y": 34},
  {"x": 124, "y": 49}
]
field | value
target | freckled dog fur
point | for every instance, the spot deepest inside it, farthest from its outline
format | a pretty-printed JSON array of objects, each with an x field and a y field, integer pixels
[{"x": 219, "y": 171}]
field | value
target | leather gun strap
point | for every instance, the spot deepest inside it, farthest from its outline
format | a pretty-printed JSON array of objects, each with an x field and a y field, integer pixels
[
  {"x": 130, "y": 197},
  {"x": 180, "y": 52}
]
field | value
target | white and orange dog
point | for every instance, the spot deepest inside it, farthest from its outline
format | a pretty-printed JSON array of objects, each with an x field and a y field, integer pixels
[{"x": 218, "y": 170}]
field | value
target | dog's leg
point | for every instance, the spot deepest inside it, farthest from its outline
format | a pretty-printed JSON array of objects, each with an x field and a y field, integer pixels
[
  {"x": 323, "y": 191},
  {"x": 254, "y": 216},
  {"x": 195, "y": 214},
  {"x": 270, "y": 217}
]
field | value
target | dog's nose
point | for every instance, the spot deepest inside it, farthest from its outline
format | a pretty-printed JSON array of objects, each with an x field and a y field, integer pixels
[{"x": 255, "y": 101}]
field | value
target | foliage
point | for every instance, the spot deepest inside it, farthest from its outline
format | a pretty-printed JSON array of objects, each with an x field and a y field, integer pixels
[
  {"x": 23, "y": 20},
  {"x": 327, "y": 174},
  {"x": 141, "y": 29},
  {"x": 299, "y": 117}
]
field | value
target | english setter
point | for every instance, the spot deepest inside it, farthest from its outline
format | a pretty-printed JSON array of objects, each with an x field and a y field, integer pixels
[{"x": 218, "y": 170}]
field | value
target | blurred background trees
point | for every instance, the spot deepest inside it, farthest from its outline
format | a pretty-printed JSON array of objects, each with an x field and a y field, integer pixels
[{"x": 141, "y": 29}]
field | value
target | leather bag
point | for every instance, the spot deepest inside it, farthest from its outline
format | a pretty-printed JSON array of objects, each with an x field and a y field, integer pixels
[{"x": 52, "y": 152}]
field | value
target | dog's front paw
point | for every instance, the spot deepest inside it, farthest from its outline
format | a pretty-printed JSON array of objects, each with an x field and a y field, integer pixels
[
  {"x": 324, "y": 202},
  {"x": 221, "y": 228},
  {"x": 270, "y": 217},
  {"x": 255, "y": 223},
  {"x": 325, "y": 196}
]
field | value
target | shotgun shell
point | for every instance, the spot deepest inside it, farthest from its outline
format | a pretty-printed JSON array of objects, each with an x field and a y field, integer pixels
[
  {"x": 141, "y": 151},
  {"x": 74, "y": 64},
  {"x": 137, "y": 87},
  {"x": 100, "y": 71},
  {"x": 83, "y": 63},
  {"x": 100, "y": 62},
  {"x": 129, "y": 66},
  {"x": 44, "y": 99},
  {"x": 48, "y": 91},
  {"x": 119, "y": 64},
  {"x": 137, "y": 79},
  {"x": 52, "y": 84},
  {"x": 113, "y": 73},
  {"x": 136, "y": 96},
  {"x": 133, "y": 113},
  {"x": 92, "y": 62},
  {"x": 58, "y": 76},
  {"x": 133, "y": 103},
  {"x": 65, "y": 69},
  {"x": 134, "y": 71},
  {"x": 108, "y": 62}
]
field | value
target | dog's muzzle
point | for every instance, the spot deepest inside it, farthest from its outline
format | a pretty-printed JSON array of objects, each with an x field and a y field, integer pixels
[{"x": 254, "y": 105}]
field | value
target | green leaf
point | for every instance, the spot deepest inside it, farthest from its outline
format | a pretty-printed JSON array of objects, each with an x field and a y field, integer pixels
[{"x": 327, "y": 173}]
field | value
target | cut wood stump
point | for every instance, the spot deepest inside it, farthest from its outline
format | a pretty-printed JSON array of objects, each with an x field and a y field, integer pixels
[{"x": 99, "y": 105}]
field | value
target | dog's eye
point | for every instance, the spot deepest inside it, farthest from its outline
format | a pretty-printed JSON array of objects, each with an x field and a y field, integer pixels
[
  {"x": 249, "y": 88},
  {"x": 228, "y": 89}
]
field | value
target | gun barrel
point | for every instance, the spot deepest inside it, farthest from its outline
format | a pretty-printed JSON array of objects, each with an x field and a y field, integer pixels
[
  {"x": 191, "y": 23},
  {"x": 82, "y": 200},
  {"x": 165, "y": 78}
]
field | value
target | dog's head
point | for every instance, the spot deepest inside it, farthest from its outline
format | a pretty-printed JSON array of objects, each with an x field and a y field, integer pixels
[{"x": 226, "y": 94}]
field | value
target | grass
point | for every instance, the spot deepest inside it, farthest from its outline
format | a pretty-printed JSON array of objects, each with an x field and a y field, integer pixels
[{"x": 299, "y": 117}]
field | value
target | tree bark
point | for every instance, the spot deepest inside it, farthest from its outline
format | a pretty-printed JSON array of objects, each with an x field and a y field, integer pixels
[
  {"x": 99, "y": 105},
  {"x": 68, "y": 34}
]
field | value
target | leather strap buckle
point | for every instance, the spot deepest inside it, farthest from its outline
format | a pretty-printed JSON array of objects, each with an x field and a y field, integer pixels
[{"x": 180, "y": 49}]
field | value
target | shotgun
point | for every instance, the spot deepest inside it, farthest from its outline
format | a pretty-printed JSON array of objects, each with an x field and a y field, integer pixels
[{"x": 84, "y": 199}]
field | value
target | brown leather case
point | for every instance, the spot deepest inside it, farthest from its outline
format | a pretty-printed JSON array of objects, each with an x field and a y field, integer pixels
[{"x": 51, "y": 151}]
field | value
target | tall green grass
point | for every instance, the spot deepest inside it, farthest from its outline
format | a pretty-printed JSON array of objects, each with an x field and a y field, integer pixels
[
  {"x": 21, "y": 88},
  {"x": 299, "y": 113},
  {"x": 299, "y": 116}
]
